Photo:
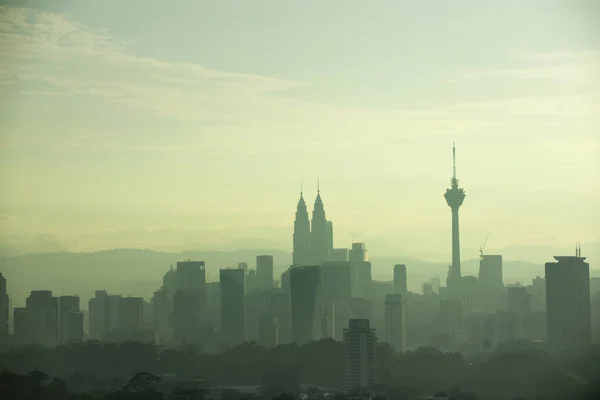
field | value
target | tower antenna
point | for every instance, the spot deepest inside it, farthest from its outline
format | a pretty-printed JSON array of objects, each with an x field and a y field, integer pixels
[
  {"x": 300, "y": 187},
  {"x": 318, "y": 186},
  {"x": 453, "y": 160}
]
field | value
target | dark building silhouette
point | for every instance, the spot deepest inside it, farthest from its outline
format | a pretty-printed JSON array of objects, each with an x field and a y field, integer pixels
[
  {"x": 319, "y": 234},
  {"x": 40, "y": 318},
  {"x": 490, "y": 273},
  {"x": 400, "y": 279},
  {"x": 233, "y": 309},
  {"x": 256, "y": 303},
  {"x": 70, "y": 320},
  {"x": 360, "y": 271},
  {"x": 161, "y": 311},
  {"x": 280, "y": 309},
  {"x": 519, "y": 305},
  {"x": 4, "y": 308},
  {"x": 335, "y": 281},
  {"x": 568, "y": 325},
  {"x": 186, "y": 317},
  {"x": 301, "y": 238},
  {"x": 454, "y": 197},
  {"x": 395, "y": 321},
  {"x": 306, "y": 311},
  {"x": 264, "y": 271},
  {"x": 268, "y": 331},
  {"x": 131, "y": 315},
  {"x": 360, "y": 342}
]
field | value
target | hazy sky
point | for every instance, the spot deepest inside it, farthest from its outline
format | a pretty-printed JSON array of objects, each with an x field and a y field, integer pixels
[{"x": 190, "y": 124}]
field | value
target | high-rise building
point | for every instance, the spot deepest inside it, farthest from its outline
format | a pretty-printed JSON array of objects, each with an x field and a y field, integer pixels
[
  {"x": 454, "y": 197},
  {"x": 335, "y": 281},
  {"x": 306, "y": 307},
  {"x": 161, "y": 311},
  {"x": 233, "y": 309},
  {"x": 395, "y": 321},
  {"x": 519, "y": 305},
  {"x": 4, "y": 311},
  {"x": 42, "y": 312},
  {"x": 360, "y": 271},
  {"x": 280, "y": 308},
  {"x": 131, "y": 315},
  {"x": 319, "y": 235},
  {"x": 268, "y": 331},
  {"x": 358, "y": 253},
  {"x": 400, "y": 280},
  {"x": 264, "y": 272},
  {"x": 339, "y": 255},
  {"x": 330, "y": 239},
  {"x": 70, "y": 317},
  {"x": 498, "y": 327},
  {"x": 360, "y": 342},
  {"x": 568, "y": 325},
  {"x": 186, "y": 317},
  {"x": 256, "y": 303},
  {"x": 301, "y": 237},
  {"x": 490, "y": 273}
]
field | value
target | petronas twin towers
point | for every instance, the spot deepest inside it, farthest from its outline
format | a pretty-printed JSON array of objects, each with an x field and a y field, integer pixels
[{"x": 313, "y": 240}]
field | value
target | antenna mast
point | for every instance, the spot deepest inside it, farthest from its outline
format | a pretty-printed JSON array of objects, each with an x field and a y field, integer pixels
[{"x": 453, "y": 160}]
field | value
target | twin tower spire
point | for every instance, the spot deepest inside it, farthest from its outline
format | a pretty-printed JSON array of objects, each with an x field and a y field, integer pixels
[{"x": 312, "y": 239}]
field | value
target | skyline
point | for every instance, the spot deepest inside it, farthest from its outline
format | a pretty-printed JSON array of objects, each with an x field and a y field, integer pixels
[{"x": 208, "y": 140}]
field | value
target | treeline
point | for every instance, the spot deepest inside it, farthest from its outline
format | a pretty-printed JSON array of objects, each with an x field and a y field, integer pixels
[{"x": 93, "y": 366}]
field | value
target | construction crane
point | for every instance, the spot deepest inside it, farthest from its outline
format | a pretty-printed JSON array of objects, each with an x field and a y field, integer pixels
[{"x": 483, "y": 246}]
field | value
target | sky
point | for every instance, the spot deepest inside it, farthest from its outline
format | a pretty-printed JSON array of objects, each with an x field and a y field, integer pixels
[{"x": 191, "y": 124}]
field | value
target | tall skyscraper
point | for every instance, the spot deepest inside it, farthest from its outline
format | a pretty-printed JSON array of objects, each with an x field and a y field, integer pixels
[
  {"x": 70, "y": 319},
  {"x": 360, "y": 342},
  {"x": 233, "y": 308},
  {"x": 519, "y": 305},
  {"x": 319, "y": 235},
  {"x": 306, "y": 308},
  {"x": 490, "y": 273},
  {"x": 301, "y": 238},
  {"x": 400, "y": 280},
  {"x": 3, "y": 307},
  {"x": 335, "y": 281},
  {"x": 395, "y": 321},
  {"x": 42, "y": 312},
  {"x": 568, "y": 325},
  {"x": 454, "y": 197},
  {"x": 186, "y": 317},
  {"x": 264, "y": 272},
  {"x": 131, "y": 315},
  {"x": 360, "y": 271}
]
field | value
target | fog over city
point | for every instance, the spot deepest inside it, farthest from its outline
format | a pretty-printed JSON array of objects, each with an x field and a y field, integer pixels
[{"x": 300, "y": 199}]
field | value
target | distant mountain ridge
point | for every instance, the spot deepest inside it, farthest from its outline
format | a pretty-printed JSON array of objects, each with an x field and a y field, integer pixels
[{"x": 139, "y": 272}]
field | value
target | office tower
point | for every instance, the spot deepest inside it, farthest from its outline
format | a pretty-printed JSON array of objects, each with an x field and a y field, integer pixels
[
  {"x": 131, "y": 315},
  {"x": 498, "y": 327},
  {"x": 42, "y": 309},
  {"x": 400, "y": 280},
  {"x": 490, "y": 273},
  {"x": 257, "y": 302},
  {"x": 98, "y": 318},
  {"x": 568, "y": 326},
  {"x": 305, "y": 285},
  {"x": 319, "y": 235},
  {"x": 186, "y": 317},
  {"x": 251, "y": 281},
  {"x": 519, "y": 305},
  {"x": 339, "y": 255},
  {"x": 264, "y": 272},
  {"x": 268, "y": 335},
  {"x": 360, "y": 342},
  {"x": 358, "y": 253},
  {"x": 427, "y": 289},
  {"x": 335, "y": 281},
  {"x": 3, "y": 307},
  {"x": 69, "y": 317},
  {"x": 454, "y": 197},
  {"x": 233, "y": 309},
  {"x": 244, "y": 266},
  {"x": 280, "y": 308},
  {"x": 537, "y": 289},
  {"x": 161, "y": 312},
  {"x": 285, "y": 279},
  {"x": 301, "y": 238},
  {"x": 23, "y": 326},
  {"x": 360, "y": 308},
  {"x": 395, "y": 321}
]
